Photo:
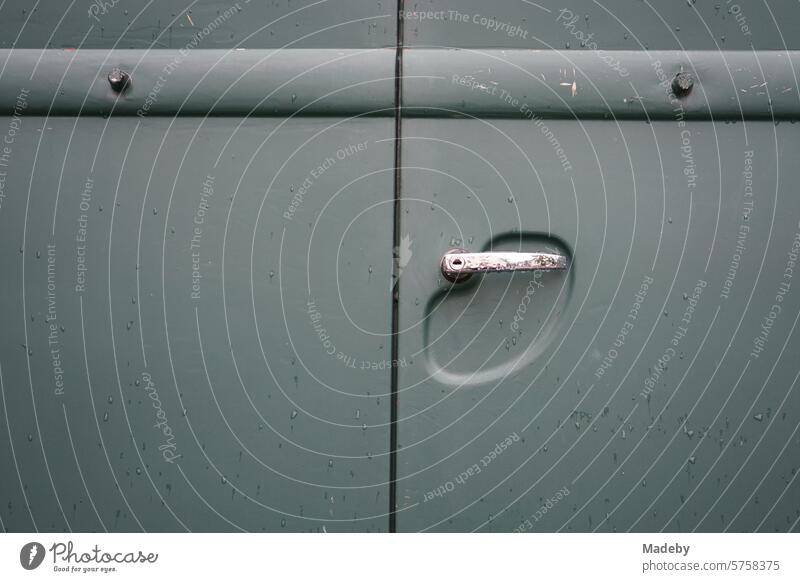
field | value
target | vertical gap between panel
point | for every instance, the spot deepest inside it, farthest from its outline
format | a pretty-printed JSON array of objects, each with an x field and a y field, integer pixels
[{"x": 398, "y": 101}]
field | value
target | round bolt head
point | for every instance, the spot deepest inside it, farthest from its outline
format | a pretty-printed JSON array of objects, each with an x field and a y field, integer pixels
[
  {"x": 119, "y": 80},
  {"x": 682, "y": 84}
]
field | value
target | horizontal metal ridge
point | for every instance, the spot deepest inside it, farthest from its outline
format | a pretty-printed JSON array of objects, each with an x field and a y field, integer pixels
[
  {"x": 601, "y": 84},
  {"x": 199, "y": 82},
  {"x": 520, "y": 84}
]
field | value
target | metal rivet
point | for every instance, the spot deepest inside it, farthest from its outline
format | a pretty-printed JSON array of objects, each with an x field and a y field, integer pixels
[
  {"x": 119, "y": 80},
  {"x": 682, "y": 84}
]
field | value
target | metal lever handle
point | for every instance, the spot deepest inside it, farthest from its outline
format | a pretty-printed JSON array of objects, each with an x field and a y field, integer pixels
[{"x": 458, "y": 265}]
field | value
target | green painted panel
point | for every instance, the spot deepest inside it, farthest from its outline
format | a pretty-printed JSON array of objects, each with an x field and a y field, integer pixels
[
  {"x": 521, "y": 84},
  {"x": 652, "y": 387},
  {"x": 205, "y": 24},
  {"x": 611, "y": 25},
  {"x": 244, "y": 83},
  {"x": 187, "y": 307}
]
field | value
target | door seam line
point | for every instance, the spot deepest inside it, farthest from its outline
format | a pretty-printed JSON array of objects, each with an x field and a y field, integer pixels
[{"x": 398, "y": 104}]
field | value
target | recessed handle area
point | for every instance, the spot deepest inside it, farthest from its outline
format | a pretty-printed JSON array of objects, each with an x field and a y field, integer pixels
[{"x": 458, "y": 265}]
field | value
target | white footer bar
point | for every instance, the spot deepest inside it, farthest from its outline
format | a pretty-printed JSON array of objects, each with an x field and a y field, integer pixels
[{"x": 406, "y": 557}]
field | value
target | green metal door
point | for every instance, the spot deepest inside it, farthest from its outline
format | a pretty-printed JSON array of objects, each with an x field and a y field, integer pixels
[
  {"x": 653, "y": 384},
  {"x": 195, "y": 306},
  {"x": 222, "y": 304}
]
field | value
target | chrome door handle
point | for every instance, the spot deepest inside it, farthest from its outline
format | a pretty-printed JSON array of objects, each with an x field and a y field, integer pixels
[{"x": 458, "y": 265}]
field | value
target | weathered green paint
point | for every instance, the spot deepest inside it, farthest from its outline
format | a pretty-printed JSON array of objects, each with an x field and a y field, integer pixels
[
  {"x": 203, "y": 24},
  {"x": 654, "y": 386},
  {"x": 264, "y": 332},
  {"x": 273, "y": 432},
  {"x": 640, "y": 25},
  {"x": 243, "y": 83},
  {"x": 220, "y": 308},
  {"x": 580, "y": 84},
  {"x": 489, "y": 363},
  {"x": 440, "y": 83}
]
